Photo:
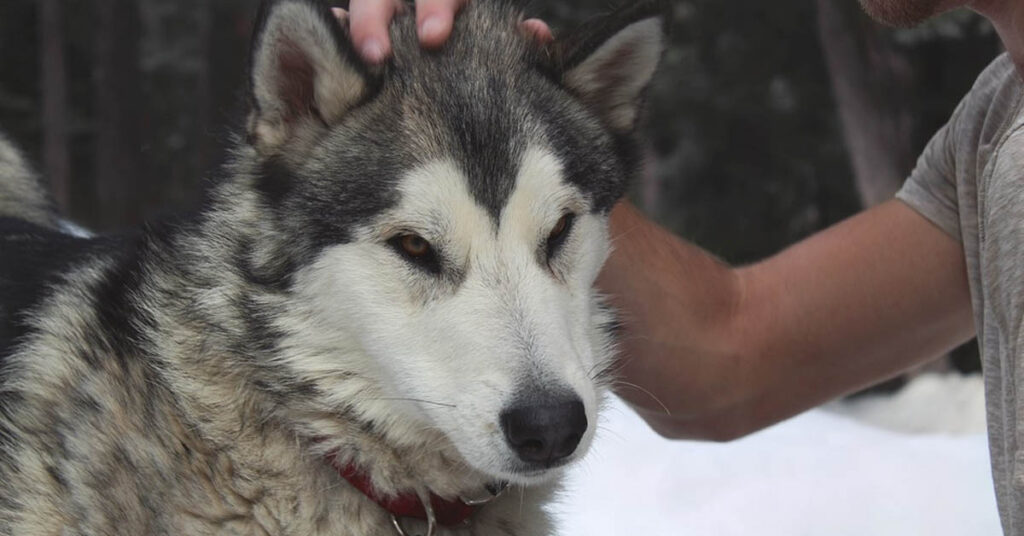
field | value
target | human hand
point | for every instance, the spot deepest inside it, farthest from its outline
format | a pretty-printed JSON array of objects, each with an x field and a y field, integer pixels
[{"x": 369, "y": 21}]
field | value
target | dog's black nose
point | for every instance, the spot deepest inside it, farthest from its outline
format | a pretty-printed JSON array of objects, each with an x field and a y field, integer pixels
[{"x": 546, "y": 432}]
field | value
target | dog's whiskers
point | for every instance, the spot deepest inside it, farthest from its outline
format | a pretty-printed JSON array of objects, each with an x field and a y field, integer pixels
[
  {"x": 398, "y": 399},
  {"x": 595, "y": 372},
  {"x": 646, "y": 392}
]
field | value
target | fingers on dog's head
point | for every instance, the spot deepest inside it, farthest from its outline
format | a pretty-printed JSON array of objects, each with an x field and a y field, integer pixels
[
  {"x": 538, "y": 30},
  {"x": 369, "y": 23},
  {"x": 434, "y": 20}
]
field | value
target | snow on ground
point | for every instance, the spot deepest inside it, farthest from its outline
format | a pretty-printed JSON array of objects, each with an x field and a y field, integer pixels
[
  {"x": 932, "y": 403},
  {"x": 829, "y": 472}
]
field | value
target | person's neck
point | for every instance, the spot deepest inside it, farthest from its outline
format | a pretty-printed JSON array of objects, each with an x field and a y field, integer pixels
[{"x": 1007, "y": 16}]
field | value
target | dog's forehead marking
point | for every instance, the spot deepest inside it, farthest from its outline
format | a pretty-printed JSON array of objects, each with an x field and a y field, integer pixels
[
  {"x": 540, "y": 193},
  {"x": 480, "y": 120},
  {"x": 438, "y": 193}
]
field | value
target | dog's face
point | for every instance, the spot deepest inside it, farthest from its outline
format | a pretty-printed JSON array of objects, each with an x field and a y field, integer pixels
[{"x": 447, "y": 216}]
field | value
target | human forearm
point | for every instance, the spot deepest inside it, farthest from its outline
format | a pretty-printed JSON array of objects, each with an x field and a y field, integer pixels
[
  {"x": 731, "y": 351},
  {"x": 851, "y": 306},
  {"x": 677, "y": 304}
]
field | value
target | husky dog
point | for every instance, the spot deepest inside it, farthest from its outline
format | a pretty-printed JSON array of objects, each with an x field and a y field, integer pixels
[{"x": 382, "y": 315}]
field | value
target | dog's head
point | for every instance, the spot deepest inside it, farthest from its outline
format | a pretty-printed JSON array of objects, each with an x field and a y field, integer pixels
[{"x": 443, "y": 217}]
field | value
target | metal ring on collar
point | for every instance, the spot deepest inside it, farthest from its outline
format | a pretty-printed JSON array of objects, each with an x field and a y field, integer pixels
[
  {"x": 493, "y": 492},
  {"x": 431, "y": 518},
  {"x": 431, "y": 527}
]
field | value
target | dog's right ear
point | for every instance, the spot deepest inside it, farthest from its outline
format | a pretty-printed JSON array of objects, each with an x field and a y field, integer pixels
[
  {"x": 609, "y": 61},
  {"x": 304, "y": 73}
]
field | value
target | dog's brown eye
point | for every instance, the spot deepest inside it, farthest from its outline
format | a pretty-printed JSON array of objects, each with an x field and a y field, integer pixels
[
  {"x": 558, "y": 233},
  {"x": 415, "y": 245},
  {"x": 416, "y": 250},
  {"x": 560, "y": 227}
]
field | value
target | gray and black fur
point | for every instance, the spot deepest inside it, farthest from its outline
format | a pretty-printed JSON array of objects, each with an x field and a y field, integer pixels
[{"x": 142, "y": 389}]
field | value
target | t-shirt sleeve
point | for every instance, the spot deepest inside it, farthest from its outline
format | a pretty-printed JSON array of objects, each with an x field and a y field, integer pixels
[
  {"x": 931, "y": 188},
  {"x": 944, "y": 181}
]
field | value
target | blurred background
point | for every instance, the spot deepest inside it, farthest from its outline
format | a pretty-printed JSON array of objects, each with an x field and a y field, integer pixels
[{"x": 768, "y": 120}]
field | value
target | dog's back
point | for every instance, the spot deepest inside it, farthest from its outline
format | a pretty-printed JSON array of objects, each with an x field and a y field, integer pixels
[
  {"x": 35, "y": 250},
  {"x": 33, "y": 258}
]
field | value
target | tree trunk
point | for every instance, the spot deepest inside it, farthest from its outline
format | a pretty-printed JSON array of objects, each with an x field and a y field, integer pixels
[
  {"x": 204, "y": 90},
  {"x": 870, "y": 82},
  {"x": 117, "y": 86},
  {"x": 56, "y": 166}
]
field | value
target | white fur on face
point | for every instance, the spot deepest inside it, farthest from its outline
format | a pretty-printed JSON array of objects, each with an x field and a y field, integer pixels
[{"x": 499, "y": 323}]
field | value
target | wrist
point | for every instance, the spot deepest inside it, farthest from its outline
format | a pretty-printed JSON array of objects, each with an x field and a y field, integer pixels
[{"x": 680, "y": 309}]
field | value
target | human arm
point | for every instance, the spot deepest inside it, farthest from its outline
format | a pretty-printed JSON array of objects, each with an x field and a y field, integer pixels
[{"x": 727, "y": 351}]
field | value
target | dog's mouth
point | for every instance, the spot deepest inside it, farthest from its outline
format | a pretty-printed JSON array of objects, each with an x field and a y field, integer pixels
[
  {"x": 522, "y": 473},
  {"x": 535, "y": 475}
]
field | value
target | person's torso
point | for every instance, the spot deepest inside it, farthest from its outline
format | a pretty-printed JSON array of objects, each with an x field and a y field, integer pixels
[{"x": 990, "y": 191}]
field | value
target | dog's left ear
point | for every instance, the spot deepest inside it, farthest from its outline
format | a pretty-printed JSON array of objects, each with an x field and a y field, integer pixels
[
  {"x": 305, "y": 74},
  {"x": 609, "y": 61}
]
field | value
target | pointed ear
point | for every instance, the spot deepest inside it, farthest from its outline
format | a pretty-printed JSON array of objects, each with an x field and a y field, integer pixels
[
  {"x": 304, "y": 73},
  {"x": 609, "y": 61}
]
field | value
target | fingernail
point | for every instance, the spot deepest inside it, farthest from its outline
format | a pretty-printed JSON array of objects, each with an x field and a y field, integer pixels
[
  {"x": 431, "y": 28},
  {"x": 373, "y": 50}
]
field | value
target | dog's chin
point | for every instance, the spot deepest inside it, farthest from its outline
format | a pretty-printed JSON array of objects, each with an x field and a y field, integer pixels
[
  {"x": 530, "y": 477},
  {"x": 501, "y": 464},
  {"x": 519, "y": 473},
  {"x": 498, "y": 463}
]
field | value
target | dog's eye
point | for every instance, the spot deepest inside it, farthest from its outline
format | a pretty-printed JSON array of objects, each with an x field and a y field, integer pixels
[
  {"x": 559, "y": 232},
  {"x": 415, "y": 245},
  {"x": 415, "y": 249}
]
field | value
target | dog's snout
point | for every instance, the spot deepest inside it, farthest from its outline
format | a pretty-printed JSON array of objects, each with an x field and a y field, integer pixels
[{"x": 545, "y": 433}]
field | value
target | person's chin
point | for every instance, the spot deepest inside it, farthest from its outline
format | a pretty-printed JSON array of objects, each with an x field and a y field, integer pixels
[{"x": 906, "y": 13}]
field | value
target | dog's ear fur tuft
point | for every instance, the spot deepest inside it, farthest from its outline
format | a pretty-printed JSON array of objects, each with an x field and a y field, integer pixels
[
  {"x": 608, "y": 62},
  {"x": 304, "y": 72}
]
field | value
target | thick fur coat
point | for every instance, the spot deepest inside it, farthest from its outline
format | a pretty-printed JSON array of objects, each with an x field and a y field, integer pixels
[{"x": 396, "y": 259}]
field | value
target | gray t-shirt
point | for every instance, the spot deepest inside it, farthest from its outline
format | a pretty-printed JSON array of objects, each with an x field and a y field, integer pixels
[{"x": 970, "y": 182}]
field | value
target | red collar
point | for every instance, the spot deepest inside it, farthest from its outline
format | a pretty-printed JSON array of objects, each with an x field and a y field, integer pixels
[{"x": 447, "y": 513}]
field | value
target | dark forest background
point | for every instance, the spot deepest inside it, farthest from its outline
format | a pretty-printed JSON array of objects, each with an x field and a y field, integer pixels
[{"x": 770, "y": 119}]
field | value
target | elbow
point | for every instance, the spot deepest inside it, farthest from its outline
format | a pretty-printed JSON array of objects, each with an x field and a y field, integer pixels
[
  {"x": 727, "y": 433},
  {"x": 715, "y": 430},
  {"x": 669, "y": 430}
]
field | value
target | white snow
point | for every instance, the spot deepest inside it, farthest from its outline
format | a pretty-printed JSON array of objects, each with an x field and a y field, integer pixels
[
  {"x": 932, "y": 403},
  {"x": 822, "y": 473}
]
